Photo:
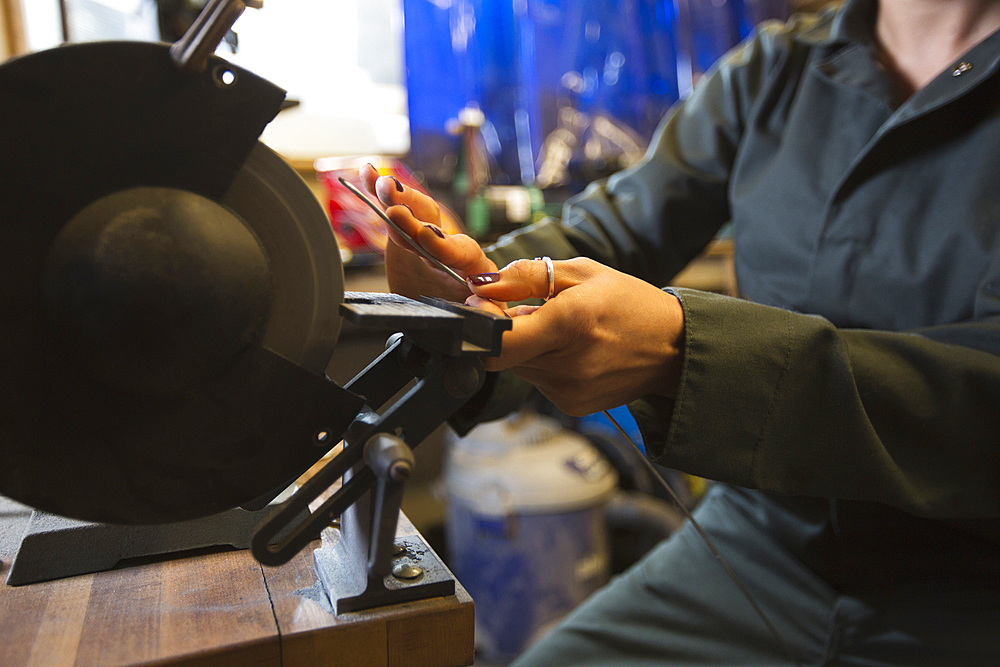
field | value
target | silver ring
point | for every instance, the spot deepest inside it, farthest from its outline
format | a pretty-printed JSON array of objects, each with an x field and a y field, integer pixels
[{"x": 551, "y": 271}]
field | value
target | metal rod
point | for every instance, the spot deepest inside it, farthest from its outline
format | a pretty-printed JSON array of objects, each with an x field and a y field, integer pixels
[
  {"x": 191, "y": 52},
  {"x": 416, "y": 246},
  {"x": 64, "y": 21},
  {"x": 704, "y": 536}
]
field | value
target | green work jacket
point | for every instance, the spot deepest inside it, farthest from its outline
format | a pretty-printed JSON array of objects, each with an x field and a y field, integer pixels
[{"x": 856, "y": 387}]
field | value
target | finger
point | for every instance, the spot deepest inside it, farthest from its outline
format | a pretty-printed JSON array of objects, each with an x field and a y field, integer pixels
[
  {"x": 369, "y": 174},
  {"x": 518, "y": 311},
  {"x": 532, "y": 335},
  {"x": 458, "y": 251},
  {"x": 485, "y": 304},
  {"x": 525, "y": 279},
  {"x": 392, "y": 192},
  {"x": 403, "y": 218}
]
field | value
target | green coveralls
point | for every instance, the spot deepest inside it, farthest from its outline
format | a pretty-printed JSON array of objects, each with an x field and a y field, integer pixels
[{"x": 851, "y": 403}]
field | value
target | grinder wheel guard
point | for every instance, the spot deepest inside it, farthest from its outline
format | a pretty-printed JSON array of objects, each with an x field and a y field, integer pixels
[{"x": 170, "y": 289}]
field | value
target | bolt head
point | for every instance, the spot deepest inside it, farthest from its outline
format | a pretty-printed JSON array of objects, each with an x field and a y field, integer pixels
[
  {"x": 407, "y": 572},
  {"x": 400, "y": 471}
]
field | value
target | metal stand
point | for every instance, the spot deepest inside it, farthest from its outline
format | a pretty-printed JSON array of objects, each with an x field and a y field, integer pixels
[
  {"x": 54, "y": 547},
  {"x": 361, "y": 565}
]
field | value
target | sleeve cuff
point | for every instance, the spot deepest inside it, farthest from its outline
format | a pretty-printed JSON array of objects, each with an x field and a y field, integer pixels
[{"x": 735, "y": 356}]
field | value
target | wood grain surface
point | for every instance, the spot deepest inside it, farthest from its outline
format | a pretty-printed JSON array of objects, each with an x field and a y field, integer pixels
[{"x": 221, "y": 609}]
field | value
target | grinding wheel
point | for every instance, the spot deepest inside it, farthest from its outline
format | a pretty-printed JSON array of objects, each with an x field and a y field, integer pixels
[
  {"x": 171, "y": 304},
  {"x": 278, "y": 206}
]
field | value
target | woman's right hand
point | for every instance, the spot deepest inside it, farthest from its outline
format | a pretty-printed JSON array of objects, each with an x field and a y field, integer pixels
[{"x": 419, "y": 216}]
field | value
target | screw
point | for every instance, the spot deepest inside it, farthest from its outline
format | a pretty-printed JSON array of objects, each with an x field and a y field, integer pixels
[
  {"x": 407, "y": 572},
  {"x": 321, "y": 437},
  {"x": 398, "y": 550}
]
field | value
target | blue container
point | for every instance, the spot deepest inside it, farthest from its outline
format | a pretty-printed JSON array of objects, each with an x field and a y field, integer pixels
[{"x": 508, "y": 94}]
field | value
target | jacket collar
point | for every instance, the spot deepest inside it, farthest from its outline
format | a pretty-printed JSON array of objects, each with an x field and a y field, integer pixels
[{"x": 847, "y": 31}]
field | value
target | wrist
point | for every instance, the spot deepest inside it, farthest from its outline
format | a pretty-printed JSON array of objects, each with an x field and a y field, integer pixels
[{"x": 673, "y": 346}]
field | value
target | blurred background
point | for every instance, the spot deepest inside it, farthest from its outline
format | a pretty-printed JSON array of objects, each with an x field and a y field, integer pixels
[{"x": 501, "y": 107}]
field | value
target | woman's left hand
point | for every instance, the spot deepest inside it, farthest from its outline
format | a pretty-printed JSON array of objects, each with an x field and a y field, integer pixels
[{"x": 605, "y": 338}]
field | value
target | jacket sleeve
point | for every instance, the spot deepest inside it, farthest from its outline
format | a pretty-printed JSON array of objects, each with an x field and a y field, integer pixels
[{"x": 787, "y": 403}]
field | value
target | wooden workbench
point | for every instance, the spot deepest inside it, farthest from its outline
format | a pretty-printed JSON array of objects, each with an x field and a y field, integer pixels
[{"x": 220, "y": 609}]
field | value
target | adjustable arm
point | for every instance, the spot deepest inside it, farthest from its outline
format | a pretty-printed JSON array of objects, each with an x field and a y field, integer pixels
[{"x": 452, "y": 338}]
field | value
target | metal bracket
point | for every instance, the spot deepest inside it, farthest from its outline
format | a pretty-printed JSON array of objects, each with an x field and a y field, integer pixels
[
  {"x": 361, "y": 565},
  {"x": 417, "y": 574},
  {"x": 54, "y": 547},
  {"x": 191, "y": 52}
]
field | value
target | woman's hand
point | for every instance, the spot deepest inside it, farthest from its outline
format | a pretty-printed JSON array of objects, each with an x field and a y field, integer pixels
[
  {"x": 605, "y": 338},
  {"x": 419, "y": 216}
]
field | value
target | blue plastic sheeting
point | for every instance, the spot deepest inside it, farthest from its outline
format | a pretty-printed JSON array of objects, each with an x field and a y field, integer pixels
[{"x": 521, "y": 61}]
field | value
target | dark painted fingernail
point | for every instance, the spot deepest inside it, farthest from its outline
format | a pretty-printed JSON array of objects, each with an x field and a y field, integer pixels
[
  {"x": 399, "y": 186},
  {"x": 484, "y": 278},
  {"x": 435, "y": 229},
  {"x": 373, "y": 167},
  {"x": 407, "y": 208}
]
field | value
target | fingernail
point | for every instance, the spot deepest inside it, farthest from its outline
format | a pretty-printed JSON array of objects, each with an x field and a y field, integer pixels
[
  {"x": 480, "y": 279},
  {"x": 435, "y": 229},
  {"x": 373, "y": 167},
  {"x": 399, "y": 186}
]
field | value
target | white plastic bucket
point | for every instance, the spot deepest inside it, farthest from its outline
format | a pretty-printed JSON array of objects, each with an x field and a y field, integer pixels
[{"x": 526, "y": 530}]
